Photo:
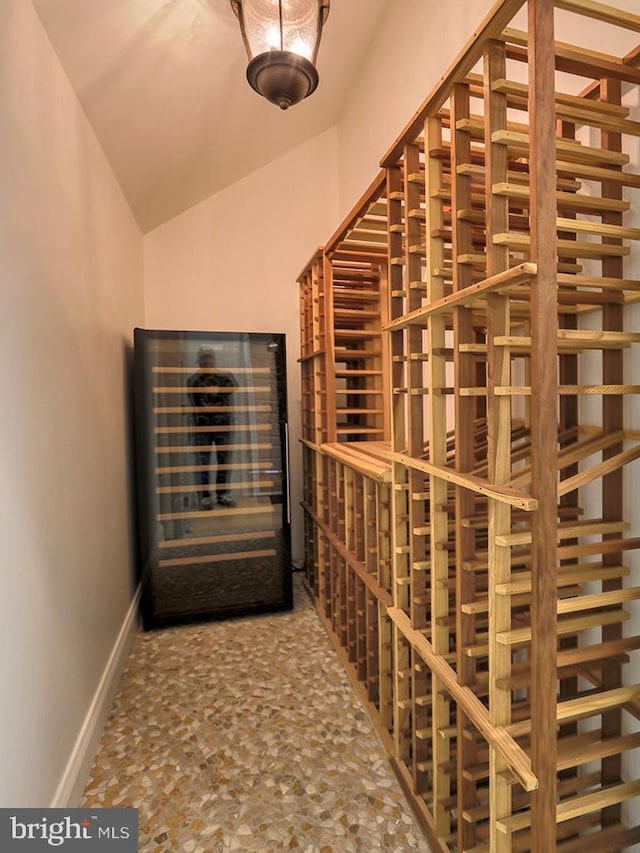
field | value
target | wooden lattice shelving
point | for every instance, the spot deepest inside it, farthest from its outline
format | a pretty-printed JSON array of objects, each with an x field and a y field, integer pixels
[
  {"x": 507, "y": 253},
  {"x": 356, "y": 309}
]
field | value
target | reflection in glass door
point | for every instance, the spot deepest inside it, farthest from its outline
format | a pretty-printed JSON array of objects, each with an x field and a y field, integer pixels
[{"x": 212, "y": 471}]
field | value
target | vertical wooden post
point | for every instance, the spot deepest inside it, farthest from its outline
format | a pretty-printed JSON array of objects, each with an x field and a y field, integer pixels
[
  {"x": 320, "y": 508},
  {"x": 414, "y": 261},
  {"x": 438, "y": 516},
  {"x": 465, "y": 411},
  {"x": 330, "y": 361},
  {"x": 385, "y": 347},
  {"x": 544, "y": 323},
  {"x": 499, "y": 416},
  {"x": 349, "y": 580},
  {"x": 320, "y": 361},
  {"x": 396, "y": 289},
  {"x": 415, "y": 384},
  {"x": 568, "y": 411},
  {"x": 612, "y": 421},
  {"x": 385, "y": 649},
  {"x": 400, "y": 492}
]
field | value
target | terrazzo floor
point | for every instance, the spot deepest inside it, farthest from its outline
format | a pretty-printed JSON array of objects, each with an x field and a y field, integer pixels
[{"x": 246, "y": 735}]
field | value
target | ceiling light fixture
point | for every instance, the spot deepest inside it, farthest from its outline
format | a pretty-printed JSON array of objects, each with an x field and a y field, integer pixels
[{"x": 282, "y": 38}]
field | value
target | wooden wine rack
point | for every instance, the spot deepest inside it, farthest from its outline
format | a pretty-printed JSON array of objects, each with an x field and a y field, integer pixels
[{"x": 487, "y": 627}]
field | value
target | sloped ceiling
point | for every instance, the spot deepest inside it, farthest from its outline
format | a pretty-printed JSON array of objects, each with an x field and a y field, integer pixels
[{"x": 163, "y": 85}]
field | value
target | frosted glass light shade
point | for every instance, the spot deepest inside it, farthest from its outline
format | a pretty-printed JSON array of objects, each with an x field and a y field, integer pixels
[{"x": 282, "y": 39}]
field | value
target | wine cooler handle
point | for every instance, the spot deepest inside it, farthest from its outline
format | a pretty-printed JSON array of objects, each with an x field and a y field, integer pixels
[{"x": 286, "y": 466}]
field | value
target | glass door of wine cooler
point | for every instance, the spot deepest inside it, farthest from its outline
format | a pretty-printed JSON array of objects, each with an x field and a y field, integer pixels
[{"x": 211, "y": 444}]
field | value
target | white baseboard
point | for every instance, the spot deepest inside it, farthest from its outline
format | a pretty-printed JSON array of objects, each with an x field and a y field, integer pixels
[{"x": 76, "y": 773}]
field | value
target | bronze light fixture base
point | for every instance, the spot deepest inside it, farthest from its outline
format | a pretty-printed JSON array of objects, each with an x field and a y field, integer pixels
[{"x": 282, "y": 77}]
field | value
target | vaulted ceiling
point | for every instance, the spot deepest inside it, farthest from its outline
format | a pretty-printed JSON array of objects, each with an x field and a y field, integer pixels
[{"x": 163, "y": 85}]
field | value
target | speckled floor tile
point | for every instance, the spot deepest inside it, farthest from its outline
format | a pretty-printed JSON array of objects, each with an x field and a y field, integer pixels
[{"x": 246, "y": 735}]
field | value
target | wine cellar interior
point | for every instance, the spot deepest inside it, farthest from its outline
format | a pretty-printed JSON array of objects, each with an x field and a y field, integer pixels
[{"x": 469, "y": 343}]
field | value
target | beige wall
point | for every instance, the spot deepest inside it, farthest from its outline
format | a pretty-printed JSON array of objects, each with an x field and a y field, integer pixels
[
  {"x": 70, "y": 293},
  {"x": 415, "y": 44},
  {"x": 231, "y": 263}
]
